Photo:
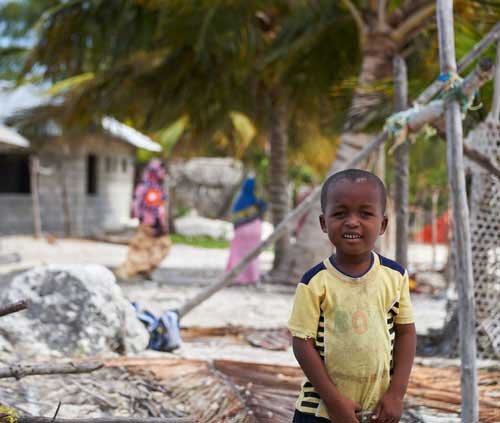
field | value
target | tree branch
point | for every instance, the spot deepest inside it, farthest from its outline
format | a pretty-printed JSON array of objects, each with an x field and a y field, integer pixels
[
  {"x": 34, "y": 419},
  {"x": 356, "y": 15},
  {"x": 18, "y": 371},
  {"x": 413, "y": 21}
]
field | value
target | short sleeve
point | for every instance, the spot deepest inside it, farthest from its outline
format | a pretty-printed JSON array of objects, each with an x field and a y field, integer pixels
[
  {"x": 304, "y": 319},
  {"x": 405, "y": 314}
]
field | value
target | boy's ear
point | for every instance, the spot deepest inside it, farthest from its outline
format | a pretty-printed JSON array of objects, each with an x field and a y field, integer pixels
[
  {"x": 322, "y": 223},
  {"x": 383, "y": 226}
]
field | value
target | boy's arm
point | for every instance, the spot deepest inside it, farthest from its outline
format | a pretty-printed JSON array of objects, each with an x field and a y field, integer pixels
[
  {"x": 391, "y": 404},
  {"x": 310, "y": 361}
]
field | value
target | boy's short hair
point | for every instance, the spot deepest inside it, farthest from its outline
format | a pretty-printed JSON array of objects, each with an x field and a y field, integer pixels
[{"x": 353, "y": 175}]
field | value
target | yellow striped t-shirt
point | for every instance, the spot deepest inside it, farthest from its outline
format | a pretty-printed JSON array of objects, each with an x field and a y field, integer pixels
[{"x": 352, "y": 322}]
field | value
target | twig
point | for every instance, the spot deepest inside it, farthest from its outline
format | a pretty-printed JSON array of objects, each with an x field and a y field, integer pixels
[
  {"x": 57, "y": 411},
  {"x": 14, "y": 307},
  {"x": 98, "y": 397},
  {"x": 18, "y": 371}
]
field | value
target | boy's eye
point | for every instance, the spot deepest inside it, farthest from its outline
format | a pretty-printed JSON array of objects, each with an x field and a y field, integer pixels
[
  {"x": 339, "y": 214},
  {"x": 366, "y": 213}
]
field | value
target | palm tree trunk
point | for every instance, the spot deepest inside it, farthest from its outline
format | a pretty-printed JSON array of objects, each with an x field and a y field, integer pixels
[
  {"x": 278, "y": 183},
  {"x": 312, "y": 245},
  {"x": 376, "y": 68}
]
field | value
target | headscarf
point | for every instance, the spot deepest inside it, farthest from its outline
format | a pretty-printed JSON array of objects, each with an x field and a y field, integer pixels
[
  {"x": 150, "y": 196},
  {"x": 247, "y": 206}
]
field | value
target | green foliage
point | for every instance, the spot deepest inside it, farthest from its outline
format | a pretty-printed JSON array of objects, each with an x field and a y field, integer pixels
[
  {"x": 9, "y": 414},
  {"x": 301, "y": 174},
  {"x": 196, "y": 75},
  {"x": 200, "y": 241},
  {"x": 428, "y": 170}
]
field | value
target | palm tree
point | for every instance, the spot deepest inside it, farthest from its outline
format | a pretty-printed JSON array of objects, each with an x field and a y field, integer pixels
[{"x": 203, "y": 60}]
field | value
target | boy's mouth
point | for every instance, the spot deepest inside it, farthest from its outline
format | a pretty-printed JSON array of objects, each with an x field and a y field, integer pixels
[{"x": 351, "y": 236}]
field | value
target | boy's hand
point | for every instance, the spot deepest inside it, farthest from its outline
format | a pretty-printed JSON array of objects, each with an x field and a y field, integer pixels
[
  {"x": 389, "y": 409},
  {"x": 343, "y": 410}
]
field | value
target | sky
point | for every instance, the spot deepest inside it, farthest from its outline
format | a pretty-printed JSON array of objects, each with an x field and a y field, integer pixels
[{"x": 25, "y": 96}]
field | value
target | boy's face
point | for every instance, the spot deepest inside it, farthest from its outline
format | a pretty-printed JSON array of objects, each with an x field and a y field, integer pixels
[{"x": 353, "y": 216}]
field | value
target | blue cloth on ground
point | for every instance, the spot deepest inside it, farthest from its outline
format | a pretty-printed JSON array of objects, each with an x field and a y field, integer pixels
[{"x": 164, "y": 333}]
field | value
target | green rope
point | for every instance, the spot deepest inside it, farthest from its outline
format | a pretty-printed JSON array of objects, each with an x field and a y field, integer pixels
[
  {"x": 396, "y": 126},
  {"x": 452, "y": 89}
]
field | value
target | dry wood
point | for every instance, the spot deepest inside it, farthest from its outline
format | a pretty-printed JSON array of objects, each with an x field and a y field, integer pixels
[
  {"x": 461, "y": 231},
  {"x": 270, "y": 391},
  {"x": 14, "y": 307},
  {"x": 34, "y": 419},
  {"x": 18, "y": 371}
]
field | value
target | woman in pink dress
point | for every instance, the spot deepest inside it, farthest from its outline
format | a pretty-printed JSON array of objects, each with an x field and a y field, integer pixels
[{"x": 247, "y": 220}]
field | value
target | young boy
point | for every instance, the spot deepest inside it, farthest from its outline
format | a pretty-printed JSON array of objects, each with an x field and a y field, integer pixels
[{"x": 352, "y": 320}]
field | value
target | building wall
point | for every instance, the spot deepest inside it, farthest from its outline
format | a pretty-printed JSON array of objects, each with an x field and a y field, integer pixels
[
  {"x": 64, "y": 164},
  {"x": 110, "y": 208}
]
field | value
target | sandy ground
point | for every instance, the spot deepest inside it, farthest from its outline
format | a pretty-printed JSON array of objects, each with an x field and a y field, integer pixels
[{"x": 187, "y": 270}]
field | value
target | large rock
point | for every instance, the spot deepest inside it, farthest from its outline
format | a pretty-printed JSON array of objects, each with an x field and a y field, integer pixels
[
  {"x": 205, "y": 184},
  {"x": 75, "y": 310}
]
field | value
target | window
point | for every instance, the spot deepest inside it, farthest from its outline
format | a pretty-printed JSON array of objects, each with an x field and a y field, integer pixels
[
  {"x": 14, "y": 174},
  {"x": 124, "y": 165},
  {"x": 91, "y": 174},
  {"x": 108, "y": 164}
]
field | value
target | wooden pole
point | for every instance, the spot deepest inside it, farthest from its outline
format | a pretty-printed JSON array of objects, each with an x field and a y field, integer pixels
[
  {"x": 35, "y": 195},
  {"x": 435, "y": 197},
  {"x": 495, "y": 107},
  {"x": 456, "y": 181},
  {"x": 430, "y": 113},
  {"x": 402, "y": 166}
]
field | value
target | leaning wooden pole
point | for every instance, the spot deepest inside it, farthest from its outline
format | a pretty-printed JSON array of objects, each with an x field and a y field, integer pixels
[
  {"x": 461, "y": 232},
  {"x": 402, "y": 166}
]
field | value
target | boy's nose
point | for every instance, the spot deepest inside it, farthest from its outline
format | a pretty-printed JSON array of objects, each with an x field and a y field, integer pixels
[{"x": 352, "y": 221}]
